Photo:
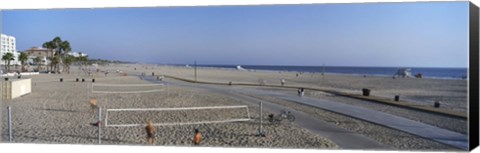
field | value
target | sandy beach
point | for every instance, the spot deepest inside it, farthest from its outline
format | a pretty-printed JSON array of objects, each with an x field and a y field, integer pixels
[
  {"x": 451, "y": 93},
  {"x": 59, "y": 112}
]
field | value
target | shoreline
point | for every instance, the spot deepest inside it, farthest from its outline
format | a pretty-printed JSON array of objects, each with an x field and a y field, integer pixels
[
  {"x": 451, "y": 93},
  {"x": 326, "y": 73}
]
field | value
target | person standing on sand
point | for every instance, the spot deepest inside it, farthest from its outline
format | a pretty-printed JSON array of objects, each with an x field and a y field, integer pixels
[
  {"x": 197, "y": 138},
  {"x": 93, "y": 104},
  {"x": 300, "y": 91},
  {"x": 151, "y": 131},
  {"x": 283, "y": 82}
]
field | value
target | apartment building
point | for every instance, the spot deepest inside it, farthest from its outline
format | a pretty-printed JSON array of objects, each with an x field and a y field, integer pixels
[{"x": 8, "y": 45}]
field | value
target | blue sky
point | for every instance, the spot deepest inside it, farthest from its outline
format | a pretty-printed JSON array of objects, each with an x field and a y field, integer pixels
[{"x": 374, "y": 34}]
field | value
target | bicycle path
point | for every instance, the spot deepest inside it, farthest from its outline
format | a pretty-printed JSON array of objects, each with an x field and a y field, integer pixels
[
  {"x": 441, "y": 135},
  {"x": 343, "y": 138}
]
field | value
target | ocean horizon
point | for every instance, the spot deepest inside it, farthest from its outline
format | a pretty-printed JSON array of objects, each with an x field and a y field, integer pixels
[{"x": 427, "y": 72}]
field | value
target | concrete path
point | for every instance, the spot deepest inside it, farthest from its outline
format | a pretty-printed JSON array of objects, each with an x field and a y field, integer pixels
[
  {"x": 343, "y": 138},
  {"x": 441, "y": 135}
]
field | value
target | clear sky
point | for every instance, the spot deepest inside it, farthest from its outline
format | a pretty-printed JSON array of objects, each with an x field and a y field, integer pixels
[{"x": 431, "y": 34}]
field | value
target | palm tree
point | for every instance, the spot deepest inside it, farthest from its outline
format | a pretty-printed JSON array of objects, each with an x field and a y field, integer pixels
[
  {"x": 23, "y": 58},
  {"x": 82, "y": 59},
  {"x": 57, "y": 41},
  {"x": 65, "y": 49},
  {"x": 49, "y": 45},
  {"x": 67, "y": 61},
  {"x": 55, "y": 60},
  {"x": 37, "y": 61},
  {"x": 7, "y": 58},
  {"x": 60, "y": 49}
]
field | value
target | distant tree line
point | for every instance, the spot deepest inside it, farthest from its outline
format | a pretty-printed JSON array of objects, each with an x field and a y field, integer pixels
[
  {"x": 106, "y": 62},
  {"x": 8, "y": 57},
  {"x": 59, "y": 56}
]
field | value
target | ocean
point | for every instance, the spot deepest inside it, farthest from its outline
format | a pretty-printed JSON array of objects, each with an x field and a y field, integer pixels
[{"x": 436, "y": 73}]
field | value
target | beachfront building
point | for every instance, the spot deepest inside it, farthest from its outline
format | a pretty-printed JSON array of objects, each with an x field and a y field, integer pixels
[
  {"x": 35, "y": 52},
  {"x": 8, "y": 45}
]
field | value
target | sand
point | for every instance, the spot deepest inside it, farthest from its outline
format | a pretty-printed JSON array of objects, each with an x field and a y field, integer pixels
[
  {"x": 59, "y": 112},
  {"x": 396, "y": 139},
  {"x": 451, "y": 93}
]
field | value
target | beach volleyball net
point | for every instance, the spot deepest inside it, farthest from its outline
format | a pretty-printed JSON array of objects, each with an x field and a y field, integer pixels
[
  {"x": 133, "y": 117},
  {"x": 126, "y": 88}
]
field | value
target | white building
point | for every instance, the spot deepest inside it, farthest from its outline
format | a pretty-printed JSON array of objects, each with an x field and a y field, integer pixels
[
  {"x": 8, "y": 45},
  {"x": 77, "y": 54}
]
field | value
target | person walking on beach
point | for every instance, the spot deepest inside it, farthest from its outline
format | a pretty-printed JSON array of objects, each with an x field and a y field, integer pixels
[
  {"x": 283, "y": 82},
  {"x": 197, "y": 138},
  {"x": 151, "y": 131},
  {"x": 300, "y": 91},
  {"x": 93, "y": 104}
]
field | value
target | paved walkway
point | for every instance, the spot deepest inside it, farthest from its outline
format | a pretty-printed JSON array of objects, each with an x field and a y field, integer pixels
[
  {"x": 410, "y": 126},
  {"x": 343, "y": 138},
  {"x": 414, "y": 127}
]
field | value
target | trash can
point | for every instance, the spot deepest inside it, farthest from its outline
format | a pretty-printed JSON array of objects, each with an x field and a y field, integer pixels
[
  {"x": 93, "y": 80},
  {"x": 61, "y": 79},
  {"x": 76, "y": 80},
  {"x": 366, "y": 92},
  {"x": 153, "y": 74},
  {"x": 83, "y": 80},
  {"x": 436, "y": 104},
  {"x": 397, "y": 97},
  {"x": 6, "y": 79}
]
